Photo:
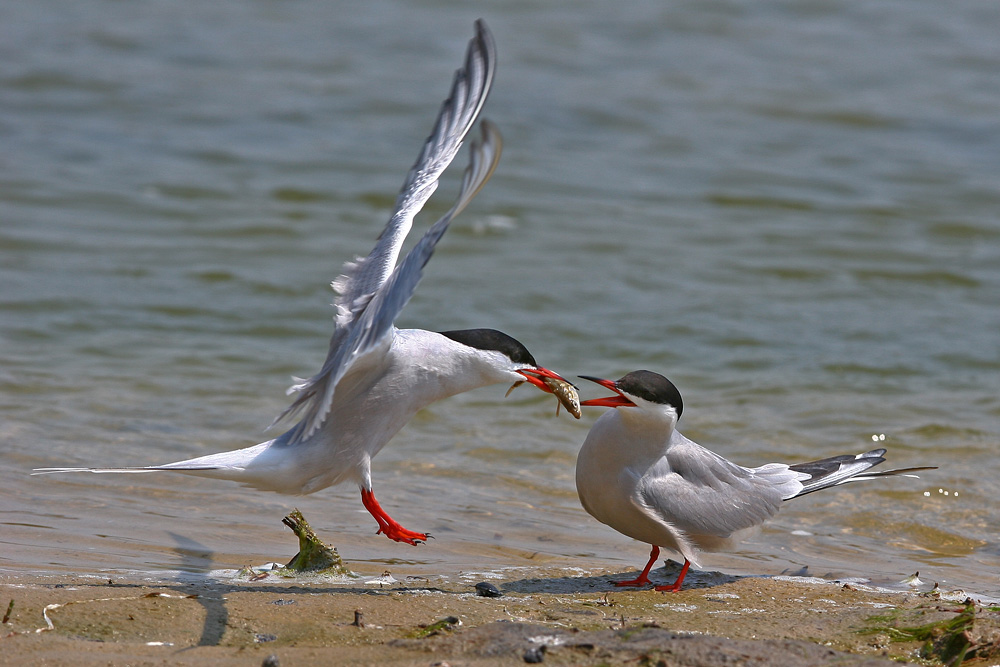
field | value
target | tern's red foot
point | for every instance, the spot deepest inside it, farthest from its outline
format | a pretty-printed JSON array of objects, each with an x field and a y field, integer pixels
[
  {"x": 676, "y": 586},
  {"x": 386, "y": 525},
  {"x": 638, "y": 581},
  {"x": 399, "y": 534},
  {"x": 643, "y": 578}
]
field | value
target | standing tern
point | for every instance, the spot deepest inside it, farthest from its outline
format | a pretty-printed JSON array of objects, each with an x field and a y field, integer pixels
[
  {"x": 376, "y": 377},
  {"x": 639, "y": 475}
]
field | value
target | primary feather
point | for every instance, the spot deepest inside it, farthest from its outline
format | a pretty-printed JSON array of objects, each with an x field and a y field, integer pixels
[{"x": 373, "y": 290}]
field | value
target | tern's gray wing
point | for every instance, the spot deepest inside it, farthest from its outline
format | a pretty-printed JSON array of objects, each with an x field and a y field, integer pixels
[
  {"x": 471, "y": 85},
  {"x": 381, "y": 313},
  {"x": 702, "y": 493},
  {"x": 372, "y": 331},
  {"x": 362, "y": 279}
]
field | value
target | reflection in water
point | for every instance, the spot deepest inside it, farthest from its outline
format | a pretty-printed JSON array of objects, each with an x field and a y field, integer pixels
[{"x": 195, "y": 557}]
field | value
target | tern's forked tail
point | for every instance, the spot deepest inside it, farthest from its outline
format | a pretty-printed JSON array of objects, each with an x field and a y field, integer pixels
[{"x": 835, "y": 470}]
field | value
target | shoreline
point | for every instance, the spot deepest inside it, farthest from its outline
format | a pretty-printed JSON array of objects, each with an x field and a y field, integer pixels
[{"x": 551, "y": 614}]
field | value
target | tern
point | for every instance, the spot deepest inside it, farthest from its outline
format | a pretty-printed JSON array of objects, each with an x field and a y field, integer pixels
[
  {"x": 639, "y": 475},
  {"x": 376, "y": 377}
]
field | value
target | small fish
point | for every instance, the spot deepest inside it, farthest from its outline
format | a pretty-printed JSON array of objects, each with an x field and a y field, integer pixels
[{"x": 564, "y": 391}]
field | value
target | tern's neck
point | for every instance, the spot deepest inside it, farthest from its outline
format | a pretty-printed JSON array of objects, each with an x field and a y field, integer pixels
[{"x": 646, "y": 429}]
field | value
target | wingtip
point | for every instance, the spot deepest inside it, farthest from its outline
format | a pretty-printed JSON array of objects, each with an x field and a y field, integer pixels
[
  {"x": 379, "y": 272},
  {"x": 484, "y": 34},
  {"x": 485, "y": 37}
]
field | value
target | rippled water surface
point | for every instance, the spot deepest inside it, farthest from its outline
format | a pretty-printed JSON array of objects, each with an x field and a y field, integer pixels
[{"x": 790, "y": 208}]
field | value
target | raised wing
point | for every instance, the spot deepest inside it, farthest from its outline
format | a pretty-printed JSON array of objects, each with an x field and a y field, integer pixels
[
  {"x": 389, "y": 301},
  {"x": 370, "y": 334},
  {"x": 359, "y": 336},
  {"x": 470, "y": 87}
]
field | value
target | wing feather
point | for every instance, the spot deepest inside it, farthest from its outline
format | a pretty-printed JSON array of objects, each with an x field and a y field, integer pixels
[
  {"x": 704, "y": 494},
  {"x": 369, "y": 336},
  {"x": 357, "y": 335},
  {"x": 836, "y": 470},
  {"x": 470, "y": 88}
]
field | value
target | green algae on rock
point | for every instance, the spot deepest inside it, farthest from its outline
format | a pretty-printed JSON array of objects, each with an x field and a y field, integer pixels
[
  {"x": 314, "y": 556},
  {"x": 952, "y": 640}
]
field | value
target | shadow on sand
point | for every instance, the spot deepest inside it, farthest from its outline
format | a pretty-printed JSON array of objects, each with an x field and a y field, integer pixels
[{"x": 196, "y": 557}]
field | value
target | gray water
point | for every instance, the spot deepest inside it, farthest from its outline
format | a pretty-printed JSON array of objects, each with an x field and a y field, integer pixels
[{"x": 792, "y": 209}]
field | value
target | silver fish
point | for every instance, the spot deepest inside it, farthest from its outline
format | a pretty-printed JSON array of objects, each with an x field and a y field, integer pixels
[{"x": 564, "y": 391}]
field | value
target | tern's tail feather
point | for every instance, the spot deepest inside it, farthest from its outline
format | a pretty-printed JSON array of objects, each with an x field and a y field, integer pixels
[
  {"x": 261, "y": 466},
  {"x": 175, "y": 467},
  {"x": 847, "y": 468},
  {"x": 224, "y": 465}
]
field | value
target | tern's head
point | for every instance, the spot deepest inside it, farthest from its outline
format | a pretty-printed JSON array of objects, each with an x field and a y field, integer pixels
[
  {"x": 508, "y": 355},
  {"x": 640, "y": 390}
]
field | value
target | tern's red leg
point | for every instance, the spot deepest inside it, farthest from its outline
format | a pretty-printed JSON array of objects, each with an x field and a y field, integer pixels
[
  {"x": 676, "y": 586},
  {"x": 643, "y": 578},
  {"x": 386, "y": 525}
]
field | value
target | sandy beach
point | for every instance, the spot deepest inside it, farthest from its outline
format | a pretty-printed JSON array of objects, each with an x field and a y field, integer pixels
[{"x": 552, "y": 615}]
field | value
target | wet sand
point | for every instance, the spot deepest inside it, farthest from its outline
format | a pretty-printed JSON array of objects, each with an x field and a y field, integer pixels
[{"x": 552, "y": 615}]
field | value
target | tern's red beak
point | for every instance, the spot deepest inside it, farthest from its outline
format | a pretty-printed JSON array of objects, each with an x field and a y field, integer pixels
[
  {"x": 617, "y": 401},
  {"x": 535, "y": 375}
]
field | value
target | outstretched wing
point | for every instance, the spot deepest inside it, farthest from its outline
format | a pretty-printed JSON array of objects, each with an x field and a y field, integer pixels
[
  {"x": 362, "y": 278},
  {"x": 363, "y": 327},
  {"x": 385, "y": 306},
  {"x": 368, "y": 337}
]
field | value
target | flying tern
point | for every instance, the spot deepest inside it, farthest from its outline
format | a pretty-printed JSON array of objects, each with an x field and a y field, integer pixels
[
  {"x": 639, "y": 475},
  {"x": 376, "y": 377}
]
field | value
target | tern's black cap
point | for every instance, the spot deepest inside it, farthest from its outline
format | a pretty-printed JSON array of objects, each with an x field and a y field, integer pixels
[
  {"x": 652, "y": 387},
  {"x": 491, "y": 339}
]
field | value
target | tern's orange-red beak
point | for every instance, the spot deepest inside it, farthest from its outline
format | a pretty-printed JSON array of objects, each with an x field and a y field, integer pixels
[
  {"x": 535, "y": 375},
  {"x": 616, "y": 401}
]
